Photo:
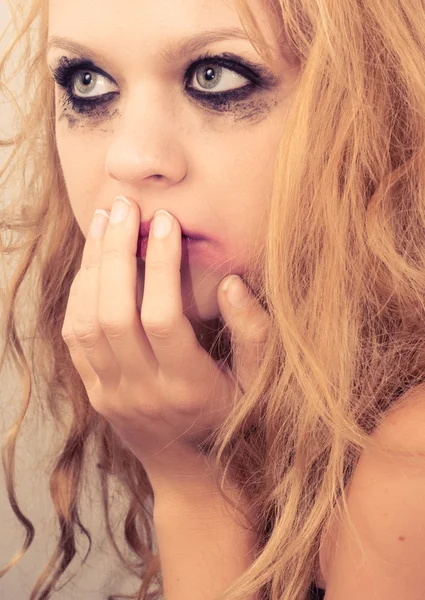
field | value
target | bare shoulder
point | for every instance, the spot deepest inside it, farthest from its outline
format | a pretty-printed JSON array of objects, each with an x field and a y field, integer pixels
[
  {"x": 404, "y": 423},
  {"x": 383, "y": 554}
]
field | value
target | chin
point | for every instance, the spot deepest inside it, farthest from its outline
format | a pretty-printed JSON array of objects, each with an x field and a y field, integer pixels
[{"x": 201, "y": 310}]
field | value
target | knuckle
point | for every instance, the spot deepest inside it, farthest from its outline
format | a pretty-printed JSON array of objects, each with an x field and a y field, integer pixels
[
  {"x": 68, "y": 336},
  {"x": 87, "y": 332},
  {"x": 158, "y": 327},
  {"x": 97, "y": 401},
  {"x": 113, "y": 327}
]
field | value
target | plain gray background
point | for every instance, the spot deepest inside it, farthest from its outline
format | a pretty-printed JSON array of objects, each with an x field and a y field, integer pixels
[{"x": 36, "y": 450}]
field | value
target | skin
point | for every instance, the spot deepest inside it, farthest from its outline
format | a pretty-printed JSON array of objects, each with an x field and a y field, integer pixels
[
  {"x": 212, "y": 170},
  {"x": 144, "y": 369},
  {"x": 142, "y": 365}
]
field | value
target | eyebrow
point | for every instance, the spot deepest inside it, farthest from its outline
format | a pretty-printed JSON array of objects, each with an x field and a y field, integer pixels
[{"x": 175, "y": 51}]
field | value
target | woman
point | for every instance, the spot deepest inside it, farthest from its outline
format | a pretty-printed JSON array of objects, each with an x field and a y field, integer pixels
[{"x": 270, "y": 419}]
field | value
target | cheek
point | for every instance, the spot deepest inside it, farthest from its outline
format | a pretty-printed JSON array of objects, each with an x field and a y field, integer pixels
[
  {"x": 83, "y": 177},
  {"x": 241, "y": 185}
]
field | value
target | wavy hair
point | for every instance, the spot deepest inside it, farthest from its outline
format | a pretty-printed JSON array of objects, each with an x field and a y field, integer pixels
[{"x": 343, "y": 280}]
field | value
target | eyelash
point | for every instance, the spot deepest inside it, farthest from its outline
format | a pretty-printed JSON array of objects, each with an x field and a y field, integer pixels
[{"x": 258, "y": 75}]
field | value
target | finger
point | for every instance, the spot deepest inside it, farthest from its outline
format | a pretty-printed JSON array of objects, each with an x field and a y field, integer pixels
[
  {"x": 85, "y": 370},
  {"x": 249, "y": 326},
  {"x": 86, "y": 326},
  {"x": 117, "y": 312},
  {"x": 170, "y": 333}
]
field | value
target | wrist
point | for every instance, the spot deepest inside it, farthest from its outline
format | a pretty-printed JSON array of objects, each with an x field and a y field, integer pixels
[
  {"x": 204, "y": 543},
  {"x": 209, "y": 515},
  {"x": 200, "y": 500},
  {"x": 196, "y": 481},
  {"x": 184, "y": 479},
  {"x": 181, "y": 471}
]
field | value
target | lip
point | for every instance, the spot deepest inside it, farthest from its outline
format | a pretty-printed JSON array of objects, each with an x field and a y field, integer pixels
[
  {"x": 189, "y": 239},
  {"x": 146, "y": 225},
  {"x": 187, "y": 245}
]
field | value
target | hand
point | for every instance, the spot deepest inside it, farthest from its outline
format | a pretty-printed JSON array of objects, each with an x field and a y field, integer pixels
[{"x": 147, "y": 374}]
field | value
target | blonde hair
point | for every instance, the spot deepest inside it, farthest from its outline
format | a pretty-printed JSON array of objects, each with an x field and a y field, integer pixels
[{"x": 343, "y": 280}]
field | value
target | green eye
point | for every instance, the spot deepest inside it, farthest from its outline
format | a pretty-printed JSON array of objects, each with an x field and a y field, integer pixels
[{"x": 214, "y": 80}]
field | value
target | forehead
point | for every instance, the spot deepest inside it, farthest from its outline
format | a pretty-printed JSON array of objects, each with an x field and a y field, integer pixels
[
  {"x": 159, "y": 12},
  {"x": 148, "y": 25}
]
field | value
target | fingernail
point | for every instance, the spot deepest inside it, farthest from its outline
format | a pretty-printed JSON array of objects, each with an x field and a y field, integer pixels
[
  {"x": 235, "y": 291},
  {"x": 99, "y": 223},
  {"x": 120, "y": 209},
  {"x": 162, "y": 224}
]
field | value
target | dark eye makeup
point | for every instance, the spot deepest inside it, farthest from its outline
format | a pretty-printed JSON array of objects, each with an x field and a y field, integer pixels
[{"x": 258, "y": 76}]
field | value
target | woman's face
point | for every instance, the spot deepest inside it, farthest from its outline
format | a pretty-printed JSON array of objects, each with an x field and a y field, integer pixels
[{"x": 162, "y": 134}]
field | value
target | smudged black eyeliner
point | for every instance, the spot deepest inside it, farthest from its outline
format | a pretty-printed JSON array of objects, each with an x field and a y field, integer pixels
[{"x": 258, "y": 76}]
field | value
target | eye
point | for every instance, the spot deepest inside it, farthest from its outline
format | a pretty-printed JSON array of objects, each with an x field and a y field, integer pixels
[
  {"x": 209, "y": 76},
  {"x": 213, "y": 80},
  {"x": 214, "y": 77},
  {"x": 89, "y": 84}
]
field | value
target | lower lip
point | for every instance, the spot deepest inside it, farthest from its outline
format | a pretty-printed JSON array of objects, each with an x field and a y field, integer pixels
[{"x": 187, "y": 244}]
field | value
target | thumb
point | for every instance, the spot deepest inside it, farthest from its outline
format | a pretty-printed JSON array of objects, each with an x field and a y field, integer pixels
[{"x": 248, "y": 324}]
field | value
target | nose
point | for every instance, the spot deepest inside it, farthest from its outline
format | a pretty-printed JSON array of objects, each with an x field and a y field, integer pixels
[{"x": 147, "y": 148}]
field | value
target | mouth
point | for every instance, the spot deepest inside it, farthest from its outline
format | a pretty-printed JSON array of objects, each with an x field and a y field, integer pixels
[
  {"x": 191, "y": 241},
  {"x": 146, "y": 225},
  {"x": 142, "y": 244}
]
